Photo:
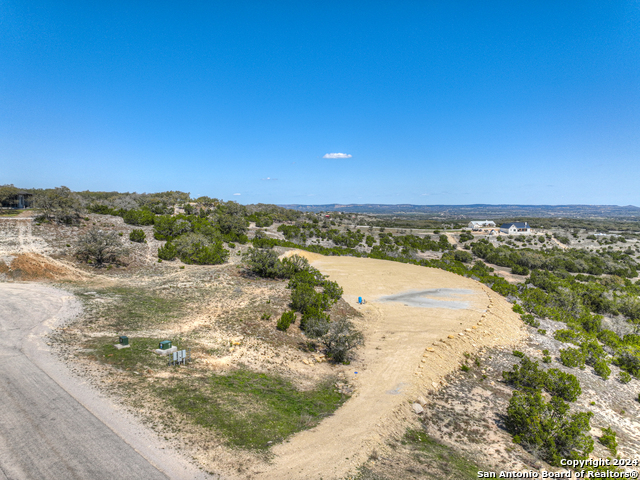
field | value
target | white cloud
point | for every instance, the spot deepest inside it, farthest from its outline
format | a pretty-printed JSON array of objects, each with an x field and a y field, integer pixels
[
  {"x": 269, "y": 179},
  {"x": 236, "y": 194},
  {"x": 337, "y": 155}
]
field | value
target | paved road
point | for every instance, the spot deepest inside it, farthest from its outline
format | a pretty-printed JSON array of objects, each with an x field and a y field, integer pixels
[{"x": 44, "y": 432}]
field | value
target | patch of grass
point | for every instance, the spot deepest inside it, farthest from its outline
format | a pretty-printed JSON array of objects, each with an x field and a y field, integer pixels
[
  {"x": 442, "y": 457},
  {"x": 134, "y": 308},
  {"x": 252, "y": 410},
  {"x": 420, "y": 456},
  {"x": 138, "y": 355},
  {"x": 10, "y": 213},
  {"x": 217, "y": 351}
]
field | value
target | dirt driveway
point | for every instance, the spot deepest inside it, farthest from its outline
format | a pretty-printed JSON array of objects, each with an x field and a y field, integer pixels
[{"x": 408, "y": 351}]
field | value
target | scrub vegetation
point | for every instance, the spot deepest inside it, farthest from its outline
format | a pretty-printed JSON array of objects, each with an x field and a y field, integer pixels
[
  {"x": 576, "y": 279},
  {"x": 419, "y": 456}
]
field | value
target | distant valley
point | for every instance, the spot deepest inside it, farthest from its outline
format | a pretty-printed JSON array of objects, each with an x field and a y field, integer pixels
[{"x": 479, "y": 210}]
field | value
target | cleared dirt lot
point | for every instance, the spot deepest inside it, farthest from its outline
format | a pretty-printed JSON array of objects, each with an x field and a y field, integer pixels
[{"x": 407, "y": 353}]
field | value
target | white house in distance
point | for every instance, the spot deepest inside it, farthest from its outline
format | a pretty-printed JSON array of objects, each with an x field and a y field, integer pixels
[
  {"x": 515, "y": 228},
  {"x": 476, "y": 224}
]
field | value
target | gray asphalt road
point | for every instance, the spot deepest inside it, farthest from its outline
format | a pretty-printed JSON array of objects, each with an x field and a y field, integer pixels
[{"x": 44, "y": 432}]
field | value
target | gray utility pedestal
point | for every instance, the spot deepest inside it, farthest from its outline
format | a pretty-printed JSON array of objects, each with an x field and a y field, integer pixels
[{"x": 166, "y": 352}]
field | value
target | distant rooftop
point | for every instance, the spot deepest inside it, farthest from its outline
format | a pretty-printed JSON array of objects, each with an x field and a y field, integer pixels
[{"x": 515, "y": 224}]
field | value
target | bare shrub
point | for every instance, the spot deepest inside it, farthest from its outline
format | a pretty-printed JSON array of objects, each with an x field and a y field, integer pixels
[
  {"x": 341, "y": 339},
  {"x": 99, "y": 247},
  {"x": 315, "y": 323}
]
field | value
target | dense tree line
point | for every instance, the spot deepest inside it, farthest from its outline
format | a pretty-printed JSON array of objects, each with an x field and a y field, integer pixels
[
  {"x": 196, "y": 237},
  {"x": 386, "y": 244},
  {"x": 264, "y": 215},
  {"x": 570, "y": 260},
  {"x": 7, "y": 192},
  {"x": 59, "y": 205},
  {"x": 302, "y": 232},
  {"x": 580, "y": 301}
]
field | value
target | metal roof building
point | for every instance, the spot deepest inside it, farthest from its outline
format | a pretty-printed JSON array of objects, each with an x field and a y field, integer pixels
[{"x": 481, "y": 223}]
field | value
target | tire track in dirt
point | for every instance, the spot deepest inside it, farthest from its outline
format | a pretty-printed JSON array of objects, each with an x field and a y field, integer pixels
[
  {"x": 451, "y": 239},
  {"x": 559, "y": 243}
]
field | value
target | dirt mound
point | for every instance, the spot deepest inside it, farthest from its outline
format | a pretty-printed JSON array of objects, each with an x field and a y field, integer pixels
[{"x": 32, "y": 266}]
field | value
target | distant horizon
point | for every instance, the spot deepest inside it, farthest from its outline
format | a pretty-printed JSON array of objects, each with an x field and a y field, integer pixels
[
  {"x": 337, "y": 204},
  {"x": 459, "y": 205},
  {"x": 478, "y": 211}
]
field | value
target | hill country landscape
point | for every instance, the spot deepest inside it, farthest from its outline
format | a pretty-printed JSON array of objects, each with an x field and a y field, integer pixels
[{"x": 319, "y": 240}]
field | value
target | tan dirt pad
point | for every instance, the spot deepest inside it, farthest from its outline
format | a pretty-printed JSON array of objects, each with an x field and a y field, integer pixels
[{"x": 408, "y": 351}]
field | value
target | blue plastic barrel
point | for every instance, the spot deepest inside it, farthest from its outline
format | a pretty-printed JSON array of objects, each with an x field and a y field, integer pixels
[{"x": 360, "y": 300}]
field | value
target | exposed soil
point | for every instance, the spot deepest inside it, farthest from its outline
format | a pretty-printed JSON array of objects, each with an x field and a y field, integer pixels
[
  {"x": 34, "y": 267},
  {"x": 408, "y": 352},
  {"x": 412, "y": 354}
]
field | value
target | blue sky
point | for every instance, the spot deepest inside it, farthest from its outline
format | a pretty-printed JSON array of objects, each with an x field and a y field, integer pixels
[{"x": 435, "y": 102}]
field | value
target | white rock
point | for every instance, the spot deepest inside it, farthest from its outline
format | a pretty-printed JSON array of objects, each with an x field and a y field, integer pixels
[{"x": 417, "y": 408}]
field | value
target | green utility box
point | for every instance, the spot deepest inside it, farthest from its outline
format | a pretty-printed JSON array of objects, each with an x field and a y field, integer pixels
[
  {"x": 165, "y": 345},
  {"x": 124, "y": 340}
]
